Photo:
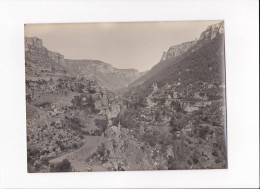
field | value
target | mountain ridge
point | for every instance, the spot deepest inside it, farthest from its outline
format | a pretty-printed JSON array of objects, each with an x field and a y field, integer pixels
[
  {"x": 109, "y": 76},
  {"x": 175, "y": 52}
]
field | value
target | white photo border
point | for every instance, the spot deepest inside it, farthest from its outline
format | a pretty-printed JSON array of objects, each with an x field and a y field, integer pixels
[{"x": 242, "y": 72}]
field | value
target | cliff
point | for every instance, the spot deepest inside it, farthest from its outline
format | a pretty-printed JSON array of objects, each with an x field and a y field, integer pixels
[
  {"x": 34, "y": 47},
  {"x": 177, "y": 50},
  {"x": 178, "y": 57},
  {"x": 210, "y": 33},
  {"x": 107, "y": 75}
]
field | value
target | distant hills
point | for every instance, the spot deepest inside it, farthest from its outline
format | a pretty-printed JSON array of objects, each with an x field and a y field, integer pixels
[
  {"x": 185, "y": 63},
  {"x": 108, "y": 76}
]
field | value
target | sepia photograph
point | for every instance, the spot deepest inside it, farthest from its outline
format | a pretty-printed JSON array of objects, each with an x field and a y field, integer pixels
[{"x": 125, "y": 96}]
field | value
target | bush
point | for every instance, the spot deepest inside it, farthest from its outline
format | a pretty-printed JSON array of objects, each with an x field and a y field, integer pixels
[
  {"x": 101, "y": 123},
  {"x": 45, "y": 161},
  {"x": 150, "y": 139},
  {"x": 101, "y": 150},
  {"x": 83, "y": 102},
  {"x": 73, "y": 123},
  {"x": 203, "y": 132},
  {"x": 178, "y": 121},
  {"x": 215, "y": 153},
  {"x": 195, "y": 160},
  {"x": 34, "y": 152},
  {"x": 75, "y": 145},
  {"x": 64, "y": 166}
]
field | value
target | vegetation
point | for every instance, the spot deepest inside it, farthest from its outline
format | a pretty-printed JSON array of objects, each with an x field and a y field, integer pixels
[
  {"x": 64, "y": 166},
  {"x": 83, "y": 102},
  {"x": 171, "y": 118}
]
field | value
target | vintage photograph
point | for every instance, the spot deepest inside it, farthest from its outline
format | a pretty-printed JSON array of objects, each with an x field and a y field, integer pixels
[{"x": 125, "y": 96}]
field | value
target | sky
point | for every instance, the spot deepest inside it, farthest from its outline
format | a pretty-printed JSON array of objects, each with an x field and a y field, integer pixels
[{"x": 135, "y": 45}]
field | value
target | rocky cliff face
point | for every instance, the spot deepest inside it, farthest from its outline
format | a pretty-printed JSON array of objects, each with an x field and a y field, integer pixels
[
  {"x": 164, "y": 70},
  {"x": 32, "y": 41},
  {"x": 89, "y": 66},
  {"x": 177, "y": 50},
  {"x": 210, "y": 33},
  {"x": 34, "y": 47},
  {"x": 107, "y": 75}
]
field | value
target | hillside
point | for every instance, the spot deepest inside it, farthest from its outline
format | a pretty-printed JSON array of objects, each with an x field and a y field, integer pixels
[
  {"x": 108, "y": 76},
  {"x": 191, "y": 61},
  {"x": 86, "y": 115},
  {"x": 183, "y": 97},
  {"x": 42, "y": 60}
]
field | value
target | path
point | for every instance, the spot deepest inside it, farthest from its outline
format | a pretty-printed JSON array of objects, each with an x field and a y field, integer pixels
[{"x": 77, "y": 157}]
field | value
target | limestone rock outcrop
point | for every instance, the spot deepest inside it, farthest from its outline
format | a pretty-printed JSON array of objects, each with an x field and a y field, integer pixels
[
  {"x": 34, "y": 47},
  {"x": 106, "y": 75},
  {"x": 177, "y": 50},
  {"x": 212, "y": 31}
]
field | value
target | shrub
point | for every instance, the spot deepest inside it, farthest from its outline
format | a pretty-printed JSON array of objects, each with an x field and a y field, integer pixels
[
  {"x": 150, "y": 139},
  {"x": 178, "y": 121},
  {"x": 195, "y": 160},
  {"x": 75, "y": 145},
  {"x": 45, "y": 161},
  {"x": 101, "y": 150},
  {"x": 101, "y": 123},
  {"x": 73, "y": 123},
  {"x": 83, "y": 102},
  {"x": 203, "y": 132},
  {"x": 215, "y": 153},
  {"x": 64, "y": 166},
  {"x": 34, "y": 152}
]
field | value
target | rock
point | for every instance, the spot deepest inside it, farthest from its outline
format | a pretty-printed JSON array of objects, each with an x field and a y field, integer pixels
[
  {"x": 113, "y": 112},
  {"x": 116, "y": 130},
  {"x": 194, "y": 106},
  {"x": 34, "y": 46},
  {"x": 174, "y": 95},
  {"x": 107, "y": 165},
  {"x": 154, "y": 86},
  {"x": 168, "y": 102},
  {"x": 32, "y": 41},
  {"x": 177, "y": 50},
  {"x": 164, "y": 56},
  {"x": 212, "y": 31},
  {"x": 88, "y": 168},
  {"x": 58, "y": 58}
]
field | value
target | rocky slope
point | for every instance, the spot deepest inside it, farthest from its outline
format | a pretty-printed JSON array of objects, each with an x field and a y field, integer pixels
[
  {"x": 182, "y": 53},
  {"x": 172, "y": 117},
  {"x": 106, "y": 75},
  {"x": 183, "y": 96}
]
